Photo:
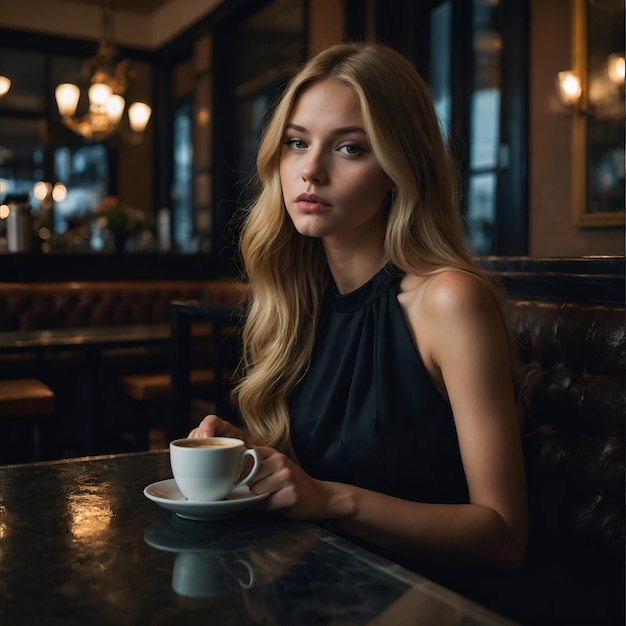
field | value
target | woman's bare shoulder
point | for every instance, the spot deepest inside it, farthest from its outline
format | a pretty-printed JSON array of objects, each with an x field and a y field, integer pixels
[{"x": 443, "y": 292}]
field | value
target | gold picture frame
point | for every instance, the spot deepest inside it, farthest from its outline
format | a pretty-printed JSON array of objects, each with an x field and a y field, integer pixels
[{"x": 598, "y": 124}]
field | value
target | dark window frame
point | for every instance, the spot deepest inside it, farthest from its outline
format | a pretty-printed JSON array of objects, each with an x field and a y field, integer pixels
[{"x": 404, "y": 25}]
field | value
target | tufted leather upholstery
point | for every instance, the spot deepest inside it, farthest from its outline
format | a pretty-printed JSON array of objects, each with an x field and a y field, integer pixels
[
  {"x": 574, "y": 446},
  {"x": 27, "y": 306},
  {"x": 575, "y": 402}
]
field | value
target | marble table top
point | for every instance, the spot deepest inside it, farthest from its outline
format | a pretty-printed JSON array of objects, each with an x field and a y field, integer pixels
[{"x": 80, "y": 544}]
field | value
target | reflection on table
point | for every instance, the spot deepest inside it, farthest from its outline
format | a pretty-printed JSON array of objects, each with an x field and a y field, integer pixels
[
  {"x": 83, "y": 338},
  {"x": 82, "y": 545}
]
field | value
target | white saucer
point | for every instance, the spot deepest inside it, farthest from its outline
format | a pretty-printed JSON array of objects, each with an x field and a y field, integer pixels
[{"x": 166, "y": 494}]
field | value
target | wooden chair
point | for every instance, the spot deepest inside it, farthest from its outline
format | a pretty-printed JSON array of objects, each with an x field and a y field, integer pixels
[
  {"x": 171, "y": 395},
  {"x": 157, "y": 386},
  {"x": 150, "y": 394},
  {"x": 226, "y": 322},
  {"x": 23, "y": 402}
]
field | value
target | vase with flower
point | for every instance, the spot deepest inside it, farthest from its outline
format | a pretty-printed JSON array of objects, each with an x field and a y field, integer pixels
[{"x": 121, "y": 220}]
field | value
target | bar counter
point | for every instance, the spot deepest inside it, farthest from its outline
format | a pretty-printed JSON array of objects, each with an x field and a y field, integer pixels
[{"x": 81, "y": 544}]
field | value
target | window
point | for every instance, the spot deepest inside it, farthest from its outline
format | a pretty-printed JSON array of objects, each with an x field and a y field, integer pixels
[
  {"x": 182, "y": 218},
  {"x": 477, "y": 76},
  {"x": 33, "y": 148},
  {"x": 258, "y": 54},
  {"x": 440, "y": 63}
]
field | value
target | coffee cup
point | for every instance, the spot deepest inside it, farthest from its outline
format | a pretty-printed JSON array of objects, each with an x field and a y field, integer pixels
[
  {"x": 206, "y": 469},
  {"x": 204, "y": 573}
]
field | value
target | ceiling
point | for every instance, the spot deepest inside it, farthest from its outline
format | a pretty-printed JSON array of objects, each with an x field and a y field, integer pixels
[
  {"x": 142, "y": 7},
  {"x": 137, "y": 23}
]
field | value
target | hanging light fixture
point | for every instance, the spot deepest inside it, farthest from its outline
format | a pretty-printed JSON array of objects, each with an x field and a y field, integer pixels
[{"x": 109, "y": 79}]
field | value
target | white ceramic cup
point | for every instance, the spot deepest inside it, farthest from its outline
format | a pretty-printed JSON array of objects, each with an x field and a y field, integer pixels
[
  {"x": 203, "y": 573},
  {"x": 206, "y": 469}
]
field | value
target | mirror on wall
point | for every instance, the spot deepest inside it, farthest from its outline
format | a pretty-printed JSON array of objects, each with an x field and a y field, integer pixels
[{"x": 598, "y": 168}]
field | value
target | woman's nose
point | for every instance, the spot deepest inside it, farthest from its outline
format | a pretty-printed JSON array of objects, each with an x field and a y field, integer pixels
[{"x": 314, "y": 170}]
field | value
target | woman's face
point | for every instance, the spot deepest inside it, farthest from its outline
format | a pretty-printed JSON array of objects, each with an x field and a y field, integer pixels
[{"x": 333, "y": 186}]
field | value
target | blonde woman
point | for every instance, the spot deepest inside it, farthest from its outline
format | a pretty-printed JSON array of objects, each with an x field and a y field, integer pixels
[{"x": 379, "y": 385}]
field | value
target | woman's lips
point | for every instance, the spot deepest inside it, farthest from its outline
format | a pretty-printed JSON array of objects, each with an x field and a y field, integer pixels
[{"x": 311, "y": 203}]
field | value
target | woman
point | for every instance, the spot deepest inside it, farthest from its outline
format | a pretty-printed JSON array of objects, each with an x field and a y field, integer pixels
[{"x": 379, "y": 386}]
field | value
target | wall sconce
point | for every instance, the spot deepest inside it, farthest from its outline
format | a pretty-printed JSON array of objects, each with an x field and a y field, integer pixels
[
  {"x": 570, "y": 89},
  {"x": 615, "y": 67},
  {"x": 5, "y": 85}
]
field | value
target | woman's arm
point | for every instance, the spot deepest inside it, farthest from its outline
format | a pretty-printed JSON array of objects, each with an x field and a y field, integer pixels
[{"x": 461, "y": 338}]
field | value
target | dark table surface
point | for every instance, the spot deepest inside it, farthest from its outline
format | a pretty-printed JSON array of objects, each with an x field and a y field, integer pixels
[
  {"x": 80, "y": 544},
  {"x": 84, "y": 337}
]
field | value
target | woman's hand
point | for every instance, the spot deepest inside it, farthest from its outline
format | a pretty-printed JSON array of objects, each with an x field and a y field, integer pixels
[
  {"x": 292, "y": 490},
  {"x": 213, "y": 426}
]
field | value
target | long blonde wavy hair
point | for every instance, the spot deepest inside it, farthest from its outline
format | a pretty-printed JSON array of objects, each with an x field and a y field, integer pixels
[{"x": 288, "y": 272}]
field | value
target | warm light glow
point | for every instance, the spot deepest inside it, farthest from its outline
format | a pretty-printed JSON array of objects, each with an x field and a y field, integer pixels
[
  {"x": 90, "y": 513},
  {"x": 115, "y": 108},
  {"x": 4, "y": 522},
  {"x": 138, "y": 116},
  {"x": 59, "y": 192},
  {"x": 203, "y": 116},
  {"x": 99, "y": 94},
  {"x": 4, "y": 211},
  {"x": 569, "y": 88},
  {"x": 5, "y": 85},
  {"x": 41, "y": 190},
  {"x": 67, "y": 96},
  {"x": 616, "y": 69}
]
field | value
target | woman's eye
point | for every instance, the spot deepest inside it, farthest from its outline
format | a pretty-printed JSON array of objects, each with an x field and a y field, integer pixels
[
  {"x": 351, "y": 149},
  {"x": 295, "y": 143}
]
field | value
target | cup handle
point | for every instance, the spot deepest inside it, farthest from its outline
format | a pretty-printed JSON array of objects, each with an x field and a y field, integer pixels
[
  {"x": 253, "y": 471},
  {"x": 246, "y": 584}
]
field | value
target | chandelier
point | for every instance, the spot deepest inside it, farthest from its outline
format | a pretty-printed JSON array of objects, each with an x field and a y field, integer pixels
[{"x": 108, "y": 79}]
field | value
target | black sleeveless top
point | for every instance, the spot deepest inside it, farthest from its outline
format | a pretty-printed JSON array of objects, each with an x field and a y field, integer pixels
[{"x": 366, "y": 412}]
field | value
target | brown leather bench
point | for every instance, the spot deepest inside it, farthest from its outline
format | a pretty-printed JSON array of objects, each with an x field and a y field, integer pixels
[{"x": 43, "y": 305}]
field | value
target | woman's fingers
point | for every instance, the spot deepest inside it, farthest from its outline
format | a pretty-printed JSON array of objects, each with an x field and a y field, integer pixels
[
  {"x": 277, "y": 475},
  {"x": 213, "y": 426},
  {"x": 291, "y": 489}
]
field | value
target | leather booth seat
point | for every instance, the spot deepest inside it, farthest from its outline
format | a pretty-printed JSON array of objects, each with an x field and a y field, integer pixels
[
  {"x": 574, "y": 446},
  {"x": 570, "y": 330},
  {"x": 575, "y": 402},
  {"x": 43, "y": 305}
]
